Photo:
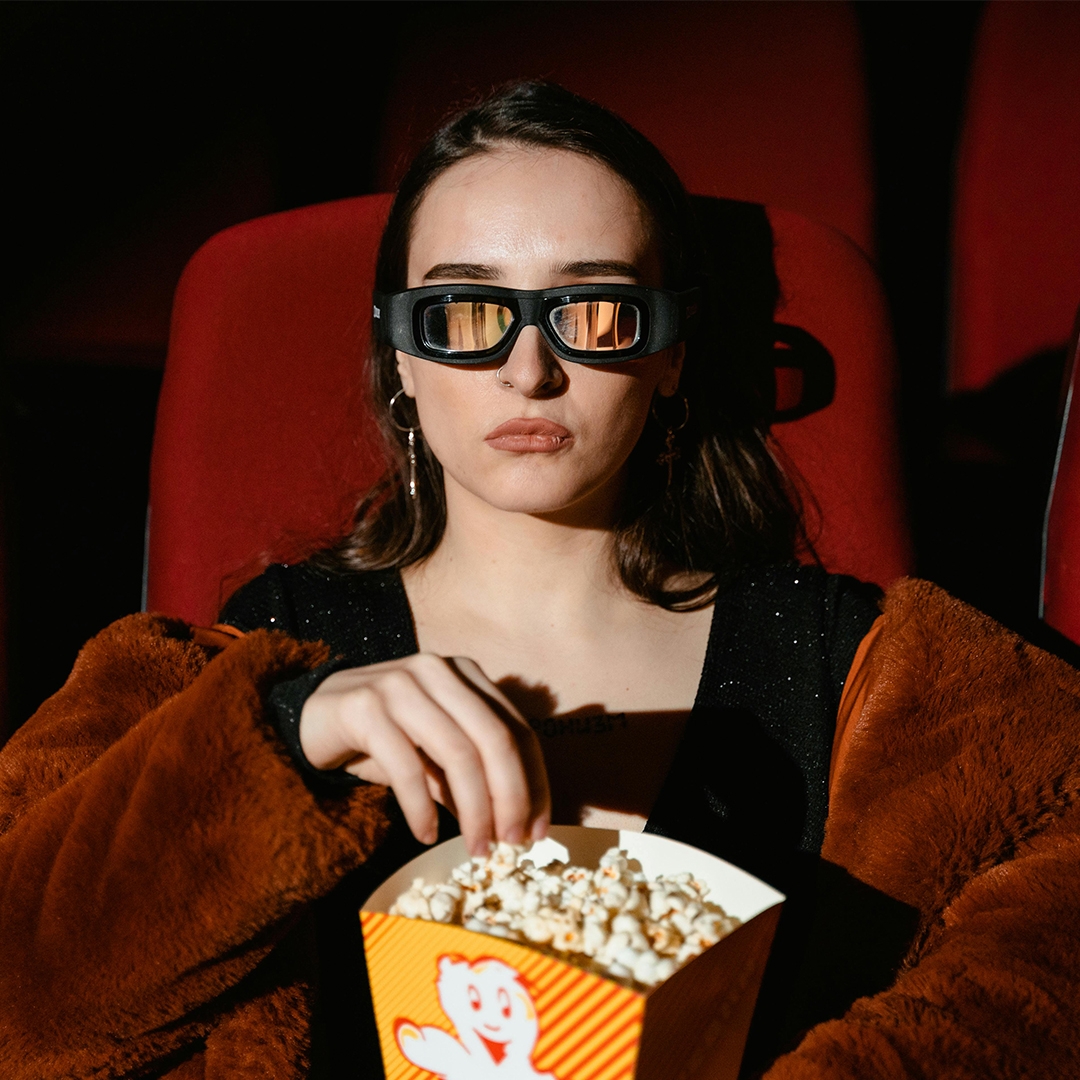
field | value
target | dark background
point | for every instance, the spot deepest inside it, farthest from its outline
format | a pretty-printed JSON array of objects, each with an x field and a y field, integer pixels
[{"x": 133, "y": 132}]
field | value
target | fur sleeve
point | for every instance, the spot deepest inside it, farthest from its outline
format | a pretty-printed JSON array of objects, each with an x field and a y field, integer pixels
[
  {"x": 155, "y": 843},
  {"x": 959, "y": 797}
]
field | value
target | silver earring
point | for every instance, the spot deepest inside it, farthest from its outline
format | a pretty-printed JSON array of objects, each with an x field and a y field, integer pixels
[
  {"x": 671, "y": 453},
  {"x": 412, "y": 443}
]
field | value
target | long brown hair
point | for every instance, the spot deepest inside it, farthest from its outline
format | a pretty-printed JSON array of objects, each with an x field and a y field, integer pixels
[{"x": 729, "y": 503}]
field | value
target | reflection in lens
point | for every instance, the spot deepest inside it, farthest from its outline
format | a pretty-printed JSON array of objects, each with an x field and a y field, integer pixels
[
  {"x": 465, "y": 325},
  {"x": 597, "y": 325}
]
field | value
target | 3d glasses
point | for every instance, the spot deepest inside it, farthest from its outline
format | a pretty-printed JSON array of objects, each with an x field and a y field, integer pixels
[{"x": 586, "y": 324}]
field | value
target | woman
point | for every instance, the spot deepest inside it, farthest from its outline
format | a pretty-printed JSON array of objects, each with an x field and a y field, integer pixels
[
  {"x": 576, "y": 579},
  {"x": 540, "y": 517}
]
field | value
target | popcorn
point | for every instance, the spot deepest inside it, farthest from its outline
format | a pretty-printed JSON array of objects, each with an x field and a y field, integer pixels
[
  {"x": 611, "y": 920},
  {"x": 444, "y": 904}
]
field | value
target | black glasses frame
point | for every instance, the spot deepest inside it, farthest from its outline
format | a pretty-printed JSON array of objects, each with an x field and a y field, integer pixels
[{"x": 666, "y": 319}]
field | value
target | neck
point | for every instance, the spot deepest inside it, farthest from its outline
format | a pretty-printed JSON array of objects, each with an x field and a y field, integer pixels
[{"x": 515, "y": 566}]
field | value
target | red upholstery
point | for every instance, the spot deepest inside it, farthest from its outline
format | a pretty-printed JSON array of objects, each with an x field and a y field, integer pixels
[
  {"x": 262, "y": 438},
  {"x": 1017, "y": 221},
  {"x": 263, "y": 442},
  {"x": 761, "y": 102},
  {"x": 849, "y": 452},
  {"x": 1061, "y": 557}
]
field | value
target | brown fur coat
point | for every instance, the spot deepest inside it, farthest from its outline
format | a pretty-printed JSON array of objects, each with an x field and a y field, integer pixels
[{"x": 152, "y": 783}]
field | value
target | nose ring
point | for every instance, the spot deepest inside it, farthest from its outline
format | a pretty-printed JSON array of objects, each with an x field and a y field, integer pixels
[{"x": 502, "y": 381}]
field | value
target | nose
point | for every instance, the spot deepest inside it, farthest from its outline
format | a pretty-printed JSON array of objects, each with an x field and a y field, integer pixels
[{"x": 532, "y": 369}]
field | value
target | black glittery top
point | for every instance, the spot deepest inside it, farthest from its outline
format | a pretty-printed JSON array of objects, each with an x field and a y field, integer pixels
[{"x": 748, "y": 783}]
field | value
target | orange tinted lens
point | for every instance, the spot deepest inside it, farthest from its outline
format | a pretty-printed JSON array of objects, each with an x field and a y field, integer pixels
[
  {"x": 597, "y": 325},
  {"x": 466, "y": 325}
]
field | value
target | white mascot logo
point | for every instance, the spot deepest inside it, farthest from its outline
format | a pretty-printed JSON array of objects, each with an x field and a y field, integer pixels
[{"x": 495, "y": 1019}]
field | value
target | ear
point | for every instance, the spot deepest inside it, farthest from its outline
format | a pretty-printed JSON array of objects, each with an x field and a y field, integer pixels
[
  {"x": 405, "y": 372},
  {"x": 668, "y": 384}
]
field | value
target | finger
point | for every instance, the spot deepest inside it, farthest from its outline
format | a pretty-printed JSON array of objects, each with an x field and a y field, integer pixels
[
  {"x": 511, "y": 804},
  {"x": 367, "y": 768},
  {"x": 438, "y": 784},
  {"x": 441, "y": 735},
  {"x": 398, "y": 759},
  {"x": 532, "y": 757},
  {"x": 528, "y": 747},
  {"x": 396, "y": 695},
  {"x": 471, "y": 671}
]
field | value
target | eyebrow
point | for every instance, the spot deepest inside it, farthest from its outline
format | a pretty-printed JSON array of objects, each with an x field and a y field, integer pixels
[
  {"x": 466, "y": 271},
  {"x": 586, "y": 268},
  {"x": 600, "y": 268}
]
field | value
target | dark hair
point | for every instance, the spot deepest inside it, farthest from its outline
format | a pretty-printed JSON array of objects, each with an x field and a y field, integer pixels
[{"x": 729, "y": 503}]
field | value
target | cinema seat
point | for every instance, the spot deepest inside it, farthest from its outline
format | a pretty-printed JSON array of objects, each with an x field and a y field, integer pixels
[
  {"x": 1060, "y": 596},
  {"x": 761, "y": 102},
  {"x": 1016, "y": 262},
  {"x": 264, "y": 438}
]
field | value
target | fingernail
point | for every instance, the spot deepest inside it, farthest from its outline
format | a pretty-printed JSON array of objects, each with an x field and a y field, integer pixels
[
  {"x": 514, "y": 834},
  {"x": 540, "y": 828}
]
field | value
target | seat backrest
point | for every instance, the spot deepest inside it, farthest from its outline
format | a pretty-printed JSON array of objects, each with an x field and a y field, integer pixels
[
  {"x": 1016, "y": 244},
  {"x": 1060, "y": 596},
  {"x": 761, "y": 102},
  {"x": 264, "y": 440},
  {"x": 848, "y": 454}
]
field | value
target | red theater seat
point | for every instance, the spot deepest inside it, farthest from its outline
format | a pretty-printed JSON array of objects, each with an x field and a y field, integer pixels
[
  {"x": 848, "y": 453},
  {"x": 1016, "y": 272},
  {"x": 761, "y": 102},
  {"x": 1060, "y": 599},
  {"x": 263, "y": 439}
]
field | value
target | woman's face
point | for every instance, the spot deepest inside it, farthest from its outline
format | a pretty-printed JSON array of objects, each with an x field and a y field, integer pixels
[{"x": 534, "y": 219}]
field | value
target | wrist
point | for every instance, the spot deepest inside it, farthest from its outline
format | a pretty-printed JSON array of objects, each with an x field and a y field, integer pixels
[{"x": 286, "y": 704}]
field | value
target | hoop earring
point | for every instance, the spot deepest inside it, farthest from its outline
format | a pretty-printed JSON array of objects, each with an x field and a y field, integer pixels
[
  {"x": 412, "y": 443},
  {"x": 671, "y": 453}
]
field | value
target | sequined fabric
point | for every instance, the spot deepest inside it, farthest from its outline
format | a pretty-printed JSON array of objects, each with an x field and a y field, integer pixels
[{"x": 749, "y": 782}]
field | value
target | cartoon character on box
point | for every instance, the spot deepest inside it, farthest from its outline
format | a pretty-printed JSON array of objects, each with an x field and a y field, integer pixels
[{"x": 495, "y": 1019}]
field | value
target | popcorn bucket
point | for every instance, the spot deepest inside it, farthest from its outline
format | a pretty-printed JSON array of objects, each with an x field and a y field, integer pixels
[{"x": 461, "y": 1005}]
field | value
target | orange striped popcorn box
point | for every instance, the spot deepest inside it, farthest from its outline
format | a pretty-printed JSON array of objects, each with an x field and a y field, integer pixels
[{"x": 461, "y": 1005}]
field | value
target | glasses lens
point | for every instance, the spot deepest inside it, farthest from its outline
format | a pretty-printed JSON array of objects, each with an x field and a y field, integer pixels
[
  {"x": 465, "y": 326},
  {"x": 597, "y": 325}
]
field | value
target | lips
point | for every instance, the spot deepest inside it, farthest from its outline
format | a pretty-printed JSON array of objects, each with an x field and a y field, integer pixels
[{"x": 529, "y": 436}]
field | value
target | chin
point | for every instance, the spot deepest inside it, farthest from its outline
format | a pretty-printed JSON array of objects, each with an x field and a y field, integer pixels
[
  {"x": 523, "y": 500},
  {"x": 540, "y": 485},
  {"x": 532, "y": 491}
]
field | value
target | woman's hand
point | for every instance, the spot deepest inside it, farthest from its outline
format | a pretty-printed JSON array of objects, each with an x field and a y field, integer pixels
[{"x": 434, "y": 730}]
